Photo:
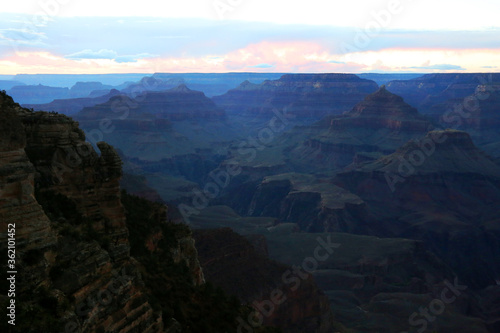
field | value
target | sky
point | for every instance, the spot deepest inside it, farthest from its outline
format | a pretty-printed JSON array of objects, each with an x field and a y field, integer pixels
[{"x": 207, "y": 36}]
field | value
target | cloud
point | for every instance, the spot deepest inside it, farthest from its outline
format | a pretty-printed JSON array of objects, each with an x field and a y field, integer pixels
[
  {"x": 23, "y": 36},
  {"x": 281, "y": 56},
  {"x": 262, "y": 66},
  {"x": 108, "y": 54},
  {"x": 89, "y": 54},
  {"x": 197, "y": 38},
  {"x": 134, "y": 58},
  {"x": 489, "y": 66},
  {"x": 443, "y": 67},
  {"x": 169, "y": 37}
]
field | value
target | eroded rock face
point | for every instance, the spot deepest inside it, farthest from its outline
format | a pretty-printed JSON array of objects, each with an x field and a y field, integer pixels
[
  {"x": 477, "y": 114},
  {"x": 304, "y": 95},
  {"x": 177, "y": 104},
  {"x": 18, "y": 208},
  {"x": 69, "y": 166},
  {"x": 430, "y": 90},
  {"x": 76, "y": 246},
  {"x": 381, "y": 123},
  {"x": 231, "y": 262},
  {"x": 366, "y": 278},
  {"x": 315, "y": 205},
  {"x": 180, "y": 103},
  {"x": 442, "y": 190},
  {"x": 72, "y": 239}
]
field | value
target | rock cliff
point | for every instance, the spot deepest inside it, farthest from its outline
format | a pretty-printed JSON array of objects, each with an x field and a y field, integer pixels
[
  {"x": 76, "y": 272},
  {"x": 72, "y": 237},
  {"x": 231, "y": 262},
  {"x": 316, "y": 205}
]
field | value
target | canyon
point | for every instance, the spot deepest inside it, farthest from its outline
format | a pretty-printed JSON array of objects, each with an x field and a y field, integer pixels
[{"x": 135, "y": 188}]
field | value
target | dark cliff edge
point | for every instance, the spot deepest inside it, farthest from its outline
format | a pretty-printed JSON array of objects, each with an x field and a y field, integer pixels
[
  {"x": 74, "y": 263},
  {"x": 89, "y": 256}
]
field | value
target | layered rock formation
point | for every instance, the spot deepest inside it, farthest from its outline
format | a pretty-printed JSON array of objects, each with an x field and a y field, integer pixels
[
  {"x": 151, "y": 83},
  {"x": 214, "y": 84},
  {"x": 84, "y": 89},
  {"x": 430, "y": 90},
  {"x": 304, "y": 95},
  {"x": 76, "y": 233},
  {"x": 18, "y": 208},
  {"x": 380, "y": 123},
  {"x": 157, "y": 125},
  {"x": 73, "y": 243},
  {"x": 315, "y": 205},
  {"x": 179, "y": 103},
  {"x": 77, "y": 246},
  {"x": 176, "y": 104},
  {"x": 477, "y": 114},
  {"x": 378, "y": 284},
  {"x": 440, "y": 189},
  {"x": 37, "y": 94},
  {"x": 72, "y": 106}
]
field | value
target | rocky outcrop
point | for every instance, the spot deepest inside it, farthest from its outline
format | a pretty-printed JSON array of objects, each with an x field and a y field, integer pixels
[
  {"x": 315, "y": 205},
  {"x": 367, "y": 278},
  {"x": 176, "y": 104},
  {"x": 19, "y": 209},
  {"x": 76, "y": 273},
  {"x": 117, "y": 107},
  {"x": 380, "y": 123},
  {"x": 231, "y": 262},
  {"x": 152, "y": 83},
  {"x": 157, "y": 125},
  {"x": 179, "y": 103},
  {"x": 69, "y": 166},
  {"x": 442, "y": 190},
  {"x": 138, "y": 185},
  {"x": 77, "y": 246},
  {"x": 477, "y": 114}
]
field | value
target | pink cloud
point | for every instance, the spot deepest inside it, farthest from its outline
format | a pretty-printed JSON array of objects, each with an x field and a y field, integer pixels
[{"x": 292, "y": 56}]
